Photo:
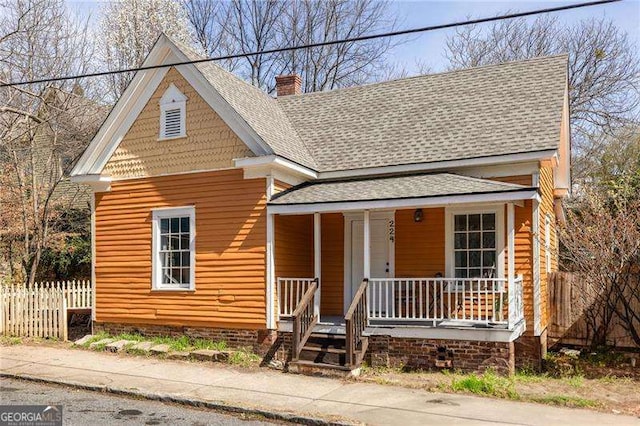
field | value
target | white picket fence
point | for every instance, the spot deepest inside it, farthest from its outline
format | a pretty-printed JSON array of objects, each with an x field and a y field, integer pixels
[{"x": 42, "y": 310}]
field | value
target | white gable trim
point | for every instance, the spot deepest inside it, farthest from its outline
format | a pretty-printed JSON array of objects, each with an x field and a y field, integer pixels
[{"x": 138, "y": 93}]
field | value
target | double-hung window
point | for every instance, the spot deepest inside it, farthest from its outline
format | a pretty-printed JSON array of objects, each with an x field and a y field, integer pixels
[
  {"x": 174, "y": 248},
  {"x": 475, "y": 245}
]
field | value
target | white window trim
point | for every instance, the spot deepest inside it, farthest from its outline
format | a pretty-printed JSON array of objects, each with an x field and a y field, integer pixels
[
  {"x": 172, "y": 99},
  {"x": 168, "y": 212},
  {"x": 450, "y": 212}
]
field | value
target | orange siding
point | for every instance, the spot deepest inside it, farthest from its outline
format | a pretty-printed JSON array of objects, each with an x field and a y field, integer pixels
[
  {"x": 332, "y": 227},
  {"x": 419, "y": 246},
  {"x": 524, "y": 257},
  {"x": 524, "y": 247},
  {"x": 280, "y": 186},
  {"x": 546, "y": 208},
  {"x": 294, "y": 246},
  {"x": 519, "y": 180},
  {"x": 230, "y": 251}
]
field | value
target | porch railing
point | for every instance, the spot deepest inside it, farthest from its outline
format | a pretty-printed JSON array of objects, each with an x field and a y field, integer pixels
[
  {"x": 483, "y": 300},
  {"x": 356, "y": 320},
  {"x": 304, "y": 319},
  {"x": 290, "y": 293},
  {"x": 516, "y": 302}
]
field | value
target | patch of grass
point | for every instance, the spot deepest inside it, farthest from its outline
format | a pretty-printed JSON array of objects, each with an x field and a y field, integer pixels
[
  {"x": 244, "y": 358},
  {"x": 529, "y": 376},
  {"x": 95, "y": 338},
  {"x": 178, "y": 344},
  {"x": 576, "y": 381},
  {"x": 183, "y": 343},
  {"x": 566, "y": 401},
  {"x": 100, "y": 347},
  {"x": 489, "y": 383},
  {"x": 209, "y": 344},
  {"x": 129, "y": 336},
  {"x": 10, "y": 340}
]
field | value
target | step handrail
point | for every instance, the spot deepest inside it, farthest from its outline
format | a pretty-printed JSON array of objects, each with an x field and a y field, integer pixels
[
  {"x": 356, "y": 320},
  {"x": 304, "y": 319}
]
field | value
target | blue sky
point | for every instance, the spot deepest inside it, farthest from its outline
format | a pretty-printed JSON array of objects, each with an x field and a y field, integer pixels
[{"x": 428, "y": 47}]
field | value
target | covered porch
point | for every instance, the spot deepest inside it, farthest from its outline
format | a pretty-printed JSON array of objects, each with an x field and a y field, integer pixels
[{"x": 414, "y": 253}]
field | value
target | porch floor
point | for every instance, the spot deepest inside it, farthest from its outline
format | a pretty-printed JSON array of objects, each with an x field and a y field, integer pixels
[{"x": 482, "y": 331}]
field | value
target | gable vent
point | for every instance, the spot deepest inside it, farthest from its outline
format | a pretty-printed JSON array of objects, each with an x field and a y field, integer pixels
[
  {"x": 173, "y": 105},
  {"x": 172, "y": 123}
]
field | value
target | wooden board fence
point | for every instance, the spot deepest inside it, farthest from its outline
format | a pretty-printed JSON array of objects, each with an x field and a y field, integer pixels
[
  {"x": 42, "y": 310},
  {"x": 568, "y": 298}
]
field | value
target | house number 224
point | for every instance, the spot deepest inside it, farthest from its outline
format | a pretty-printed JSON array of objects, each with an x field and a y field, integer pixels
[{"x": 392, "y": 230}]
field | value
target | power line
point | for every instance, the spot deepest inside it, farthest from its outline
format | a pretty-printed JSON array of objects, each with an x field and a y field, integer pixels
[{"x": 321, "y": 44}]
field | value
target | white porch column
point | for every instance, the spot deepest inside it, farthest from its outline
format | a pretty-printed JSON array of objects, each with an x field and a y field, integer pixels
[
  {"x": 270, "y": 259},
  {"x": 511, "y": 263},
  {"x": 271, "y": 315},
  {"x": 367, "y": 245},
  {"x": 317, "y": 258},
  {"x": 511, "y": 242}
]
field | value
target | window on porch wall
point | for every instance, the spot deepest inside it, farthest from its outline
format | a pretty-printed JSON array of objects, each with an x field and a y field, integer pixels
[{"x": 475, "y": 245}]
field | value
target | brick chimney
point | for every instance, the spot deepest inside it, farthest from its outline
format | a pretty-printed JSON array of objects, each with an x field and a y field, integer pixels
[{"x": 288, "y": 85}]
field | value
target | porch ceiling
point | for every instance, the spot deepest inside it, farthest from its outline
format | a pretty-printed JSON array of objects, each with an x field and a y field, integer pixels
[{"x": 424, "y": 189}]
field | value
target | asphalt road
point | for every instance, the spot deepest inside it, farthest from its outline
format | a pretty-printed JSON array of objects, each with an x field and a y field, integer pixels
[{"x": 81, "y": 407}]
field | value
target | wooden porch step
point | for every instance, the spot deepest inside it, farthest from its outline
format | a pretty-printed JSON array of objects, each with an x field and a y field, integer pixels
[
  {"x": 328, "y": 335},
  {"x": 324, "y": 348},
  {"x": 326, "y": 341}
]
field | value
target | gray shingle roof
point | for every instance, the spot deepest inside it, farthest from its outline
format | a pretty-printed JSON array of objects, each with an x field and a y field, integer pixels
[
  {"x": 492, "y": 110},
  {"x": 501, "y": 109},
  {"x": 388, "y": 188},
  {"x": 258, "y": 109}
]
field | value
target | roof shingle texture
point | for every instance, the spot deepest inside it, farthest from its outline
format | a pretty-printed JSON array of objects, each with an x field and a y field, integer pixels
[
  {"x": 415, "y": 186},
  {"x": 501, "y": 109},
  {"x": 256, "y": 108},
  {"x": 492, "y": 110}
]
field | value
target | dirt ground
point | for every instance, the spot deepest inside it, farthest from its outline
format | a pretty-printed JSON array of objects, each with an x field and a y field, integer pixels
[{"x": 608, "y": 393}]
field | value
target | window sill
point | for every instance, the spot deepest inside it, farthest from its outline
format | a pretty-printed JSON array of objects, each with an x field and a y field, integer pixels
[
  {"x": 172, "y": 138},
  {"x": 184, "y": 290}
]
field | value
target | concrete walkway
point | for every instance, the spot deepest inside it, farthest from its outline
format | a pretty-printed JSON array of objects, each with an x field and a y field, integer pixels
[{"x": 272, "y": 391}]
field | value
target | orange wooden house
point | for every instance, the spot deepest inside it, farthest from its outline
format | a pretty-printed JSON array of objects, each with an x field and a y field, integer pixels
[{"x": 411, "y": 221}]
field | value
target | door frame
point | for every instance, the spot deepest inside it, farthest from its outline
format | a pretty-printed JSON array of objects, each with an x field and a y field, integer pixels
[{"x": 349, "y": 218}]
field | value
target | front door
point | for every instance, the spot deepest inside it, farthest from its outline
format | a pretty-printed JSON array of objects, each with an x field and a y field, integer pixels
[{"x": 380, "y": 259}]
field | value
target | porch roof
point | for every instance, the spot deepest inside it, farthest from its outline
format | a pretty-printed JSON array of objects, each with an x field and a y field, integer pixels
[{"x": 396, "y": 191}]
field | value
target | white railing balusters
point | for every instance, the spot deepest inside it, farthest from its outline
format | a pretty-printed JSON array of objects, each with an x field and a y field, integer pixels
[
  {"x": 445, "y": 300},
  {"x": 290, "y": 292}
]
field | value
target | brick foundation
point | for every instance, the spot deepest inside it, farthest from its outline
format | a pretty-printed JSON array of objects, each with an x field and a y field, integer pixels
[
  {"x": 259, "y": 341},
  {"x": 417, "y": 353},
  {"x": 530, "y": 351},
  {"x": 411, "y": 353}
]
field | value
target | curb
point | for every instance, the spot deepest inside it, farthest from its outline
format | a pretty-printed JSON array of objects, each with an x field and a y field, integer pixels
[{"x": 217, "y": 406}]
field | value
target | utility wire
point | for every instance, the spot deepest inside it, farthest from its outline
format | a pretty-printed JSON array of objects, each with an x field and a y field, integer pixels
[{"x": 324, "y": 43}]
